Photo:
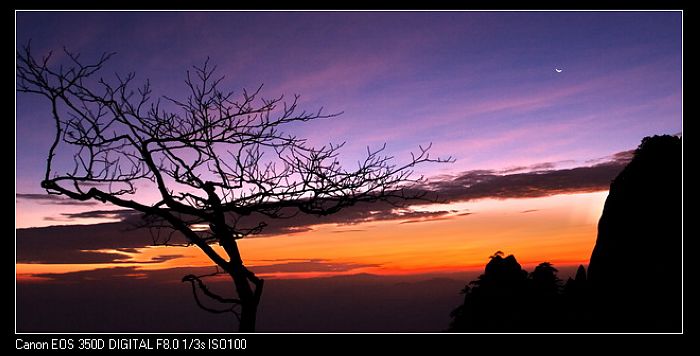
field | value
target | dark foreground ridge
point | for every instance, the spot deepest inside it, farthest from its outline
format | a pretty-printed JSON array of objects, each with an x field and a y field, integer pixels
[
  {"x": 634, "y": 278},
  {"x": 635, "y": 270}
]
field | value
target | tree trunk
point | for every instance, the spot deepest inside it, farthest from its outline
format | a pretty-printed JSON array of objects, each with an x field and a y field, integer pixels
[
  {"x": 242, "y": 279},
  {"x": 248, "y": 315},
  {"x": 249, "y": 298}
]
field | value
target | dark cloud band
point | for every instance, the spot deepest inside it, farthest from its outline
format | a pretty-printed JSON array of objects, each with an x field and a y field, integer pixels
[{"x": 81, "y": 243}]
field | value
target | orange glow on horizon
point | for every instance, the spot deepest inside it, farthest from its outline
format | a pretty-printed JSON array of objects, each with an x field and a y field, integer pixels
[{"x": 559, "y": 229}]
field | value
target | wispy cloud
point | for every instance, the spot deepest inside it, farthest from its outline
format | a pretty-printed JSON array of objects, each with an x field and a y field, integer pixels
[
  {"x": 174, "y": 274},
  {"x": 312, "y": 265},
  {"x": 532, "y": 167},
  {"x": 93, "y": 275},
  {"x": 472, "y": 185},
  {"x": 122, "y": 214},
  {"x": 51, "y": 199},
  {"x": 347, "y": 230}
]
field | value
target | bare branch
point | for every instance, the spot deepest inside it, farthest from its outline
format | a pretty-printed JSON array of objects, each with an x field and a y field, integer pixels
[
  {"x": 214, "y": 160},
  {"x": 196, "y": 281}
]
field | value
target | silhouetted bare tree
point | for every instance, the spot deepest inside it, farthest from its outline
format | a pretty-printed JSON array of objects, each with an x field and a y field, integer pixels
[{"x": 213, "y": 160}]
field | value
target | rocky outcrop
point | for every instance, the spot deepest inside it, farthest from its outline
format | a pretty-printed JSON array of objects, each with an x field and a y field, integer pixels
[{"x": 634, "y": 275}]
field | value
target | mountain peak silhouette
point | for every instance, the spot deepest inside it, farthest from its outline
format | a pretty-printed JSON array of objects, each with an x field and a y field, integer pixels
[
  {"x": 633, "y": 283},
  {"x": 634, "y": 273},
  {"x": 503, "y": 269}
]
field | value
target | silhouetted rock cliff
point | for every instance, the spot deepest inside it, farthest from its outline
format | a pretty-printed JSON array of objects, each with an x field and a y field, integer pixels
[{"x": 634, "y": 275}]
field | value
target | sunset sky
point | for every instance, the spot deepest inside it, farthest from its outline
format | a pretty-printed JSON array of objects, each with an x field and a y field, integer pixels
[{"x": 538, "y": 147}]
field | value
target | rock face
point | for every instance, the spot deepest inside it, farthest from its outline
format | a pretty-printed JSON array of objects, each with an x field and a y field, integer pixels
[{"x": 635, "y": 270}]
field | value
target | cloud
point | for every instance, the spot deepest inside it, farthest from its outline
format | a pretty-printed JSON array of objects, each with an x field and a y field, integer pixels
[
  {"x": 52, "y": 199},
  {"x": 534, "y": 167},
  {"x": 102, "y": 214},
  {"x": 57, "y": 219},
  {"x": 619, "y": 157},
  {"x": 154, "y": 259},
  {"x": 51, "y": 255},
  {"x": 91, "y": 275},
  {"x": 97, "y": 243},
  {"x": 392, "y": 214},
  {"x": 624, "y": 156},
  {"x": 349, "y": 230},
  {"x": 114, "y": 242},
  {"x": 423, "y": 216},
  {"x": 175, "y": 274},
  {"x": 312, "y": 265},
  {"x": 120, "y": 215},
  {"x": 159, "y": 259},
  {"x": 473, "y": 185}
]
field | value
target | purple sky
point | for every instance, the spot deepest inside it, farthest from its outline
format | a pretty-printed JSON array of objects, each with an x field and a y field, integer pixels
[{"x": 480, "y": 85}]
